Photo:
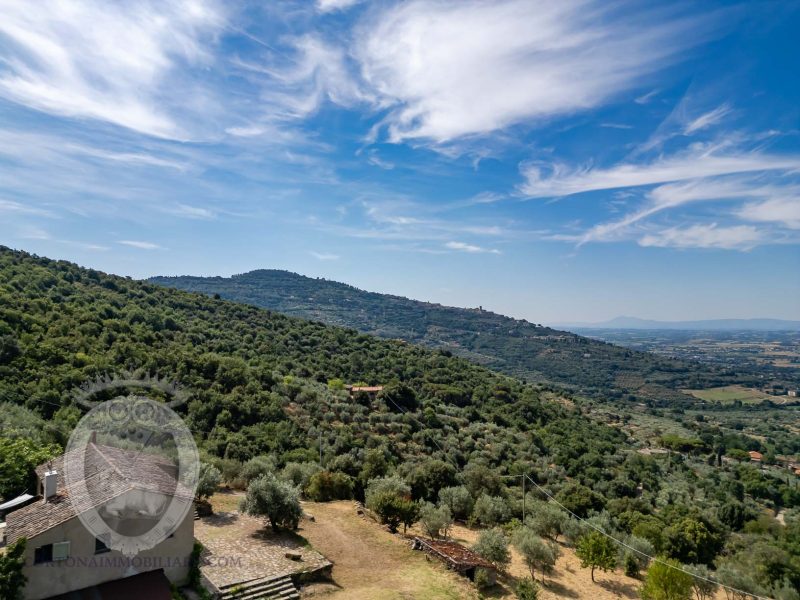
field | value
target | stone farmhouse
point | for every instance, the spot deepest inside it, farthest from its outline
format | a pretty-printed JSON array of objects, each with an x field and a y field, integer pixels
[{"x": 64, "y": 559}]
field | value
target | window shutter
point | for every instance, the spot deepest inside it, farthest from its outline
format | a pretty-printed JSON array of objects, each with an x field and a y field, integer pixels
[{"x": 61, "y": 551}]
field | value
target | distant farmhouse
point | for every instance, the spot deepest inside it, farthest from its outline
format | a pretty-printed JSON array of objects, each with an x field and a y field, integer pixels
[
  {"x": 371, "y": 391},
  {"x": 65, "y": 561}
]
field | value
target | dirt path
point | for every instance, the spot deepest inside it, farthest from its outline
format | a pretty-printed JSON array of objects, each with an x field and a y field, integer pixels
[{"x": 370, "y": 563}]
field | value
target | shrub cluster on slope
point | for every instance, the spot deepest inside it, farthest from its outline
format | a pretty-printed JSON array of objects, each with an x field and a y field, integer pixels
[
  {"x": 516, "y": 347},
  {"x": 267, "y": 396}
]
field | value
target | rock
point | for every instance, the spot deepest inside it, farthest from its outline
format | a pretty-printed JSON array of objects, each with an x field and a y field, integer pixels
[
  {"x": 311, "y": 518},
  {"x": 296, "y": 556}
]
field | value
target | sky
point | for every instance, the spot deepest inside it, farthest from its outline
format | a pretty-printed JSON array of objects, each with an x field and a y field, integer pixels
[{"x": 553, "y": 161}]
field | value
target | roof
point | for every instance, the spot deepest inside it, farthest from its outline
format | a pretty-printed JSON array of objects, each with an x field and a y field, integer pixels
[
  {"x": 755, "y": 455},
  {"x": 455, "y": 554},
  {"x": 15, "y": 502},
  {"x": 152, "y": 585},
  {"x": 366, "y": 388},
  {"x": 110, "y": 472}
]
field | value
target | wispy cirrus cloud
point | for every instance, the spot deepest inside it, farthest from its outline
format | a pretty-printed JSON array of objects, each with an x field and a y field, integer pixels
[
  {"x": 446, "y": 71},
  {"x": 470, "y": 248},
  {"x": 141, "y": 245},
  {"x": 783, "y": 209},
  {"x": 707, "y": 119},
  {"x": 9, "y": 206},
  {"x": 336, "y": 5},
  {"x": 776, "y": 208},
  {"x": 326, "y": 256},
  {"x": 737, "y": 237},
  {"x": 191, "y": 212},
  {"x": 698, "y": 162},
  {"x": 107, "y": 61}
]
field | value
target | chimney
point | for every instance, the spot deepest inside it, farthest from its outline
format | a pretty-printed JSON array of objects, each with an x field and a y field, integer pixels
[{"x": 50, "y": 484}]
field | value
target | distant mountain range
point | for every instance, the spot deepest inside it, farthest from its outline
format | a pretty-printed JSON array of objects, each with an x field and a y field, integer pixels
[
  {"x": 706, "y": 325},
  {"x": 517, "y": 347}
]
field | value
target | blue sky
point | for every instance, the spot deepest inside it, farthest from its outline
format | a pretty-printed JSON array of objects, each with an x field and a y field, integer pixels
[{"x": 552, "y": 161}]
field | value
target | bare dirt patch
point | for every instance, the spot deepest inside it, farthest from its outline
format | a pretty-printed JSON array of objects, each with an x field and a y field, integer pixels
[{"x": 370, "y": 563}]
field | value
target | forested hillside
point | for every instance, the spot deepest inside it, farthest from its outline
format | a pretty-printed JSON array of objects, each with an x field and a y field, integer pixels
[
  {"x": 268, "y": 392},
  {"x": 516, "y": 347}
]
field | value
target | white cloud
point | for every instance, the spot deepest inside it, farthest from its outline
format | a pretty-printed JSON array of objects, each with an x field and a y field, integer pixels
[
  {"x": 673, "y": 195},
  {"x": 324, "y": 255},
  {"x": 334, "y": 5},
  {"x": 784, "y": 210},
  {"x": 315, "y": 72},
  {"x": 738, "y": 237},
  {"x": 707, "y": 119},
  {"x": 191, "y": 212},
  {"x": 698, "y": 162},
  {"x": 447, "y": 70},
  {"x": 31, "y": 232},
  {"x": 471, "y": 248},
  {"x": 645, "y": 98},
  {"x": 374, "y": 158},
  {"x": 110, "y": 61},
  {"x": 140, "y": 245},
  {"x": 9, "y": 206}
]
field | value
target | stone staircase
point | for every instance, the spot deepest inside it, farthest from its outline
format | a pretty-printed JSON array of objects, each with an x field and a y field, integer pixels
[{"x": 264, "y": 588}]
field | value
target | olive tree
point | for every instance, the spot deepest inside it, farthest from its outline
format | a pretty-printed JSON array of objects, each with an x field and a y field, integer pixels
[
  {"x": 278, "y": 500},
  {"x": 492, "y": 545},
  {"x": 208, "y": 481},
  {"x": 536, "y": 553},
  {"x": 435, "y": 519}
]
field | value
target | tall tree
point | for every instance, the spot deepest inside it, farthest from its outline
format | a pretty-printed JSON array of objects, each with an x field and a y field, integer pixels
[
  {"x": 12, "y": 579},
  {"x": 596, "y": 551},
  {"x": 665, "y": 581}
]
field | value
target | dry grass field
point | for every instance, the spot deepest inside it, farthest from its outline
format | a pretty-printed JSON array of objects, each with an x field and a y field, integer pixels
[
  {"x": 372, "y": 564},
  {"x": 731, "y": 393}
]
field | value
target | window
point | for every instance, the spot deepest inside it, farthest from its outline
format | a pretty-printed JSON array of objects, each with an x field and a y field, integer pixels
[
  {"x": 100, "y": 546},
  {"x": 43, "y": 554},
  {"x": 61, "y": 551}
]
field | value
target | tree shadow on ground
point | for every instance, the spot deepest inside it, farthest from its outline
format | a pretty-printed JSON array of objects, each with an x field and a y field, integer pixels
[
  {"x": 621, "y": 589},
  {"x": 220, "y": 519},
  {"x": 284, "y": 537},
  {"x": 559, "y": 589}
]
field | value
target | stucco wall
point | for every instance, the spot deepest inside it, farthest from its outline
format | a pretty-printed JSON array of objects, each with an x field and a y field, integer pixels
[{"x": 84, "y": 568}]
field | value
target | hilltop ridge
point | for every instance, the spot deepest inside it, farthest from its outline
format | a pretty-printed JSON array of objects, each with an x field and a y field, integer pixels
[{"x": 517, "y": 347}]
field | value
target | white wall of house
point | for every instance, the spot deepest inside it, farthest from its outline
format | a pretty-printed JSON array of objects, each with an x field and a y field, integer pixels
[{"x": 77, "y": 572}]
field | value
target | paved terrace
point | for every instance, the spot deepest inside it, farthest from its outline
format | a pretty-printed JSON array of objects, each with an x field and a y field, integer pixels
[{"x": 240, "y": 548}]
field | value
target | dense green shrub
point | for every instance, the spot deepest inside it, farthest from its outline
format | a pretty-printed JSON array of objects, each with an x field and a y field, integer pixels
[
  {"x": 325, "y": 486},
  {"x": 492, "y": 545},
  {"x": 278, "y": 500}
]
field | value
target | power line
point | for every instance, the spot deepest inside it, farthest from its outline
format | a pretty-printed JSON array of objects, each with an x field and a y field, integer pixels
[
  {"x": 596, "y": 528},
  {"x": 629, "y": 547}
]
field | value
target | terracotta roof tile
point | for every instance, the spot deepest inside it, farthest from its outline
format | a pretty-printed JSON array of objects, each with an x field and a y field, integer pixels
[{"x": 110, "y": 472}]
